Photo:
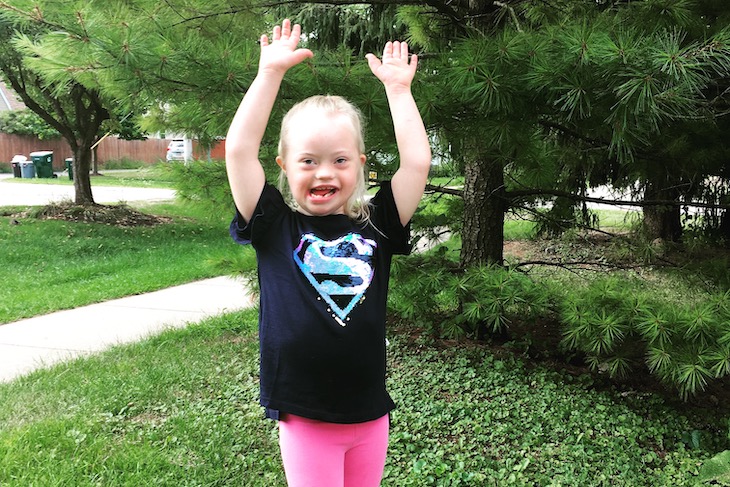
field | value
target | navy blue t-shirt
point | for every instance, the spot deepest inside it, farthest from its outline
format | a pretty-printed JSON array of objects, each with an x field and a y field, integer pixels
[{"x": 324, "y": 284}]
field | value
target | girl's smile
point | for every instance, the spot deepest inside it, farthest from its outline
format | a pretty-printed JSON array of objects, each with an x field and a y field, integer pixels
[{"x": 323, "y": 191}]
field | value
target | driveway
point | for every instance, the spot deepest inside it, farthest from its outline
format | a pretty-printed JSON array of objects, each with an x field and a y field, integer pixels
[{"x": 18, "y": 193}]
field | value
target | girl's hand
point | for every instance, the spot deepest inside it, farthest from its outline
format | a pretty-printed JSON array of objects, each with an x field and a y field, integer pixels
[
  {"x": 394, "y": 70},
  {"x": 281, "y": 53}
]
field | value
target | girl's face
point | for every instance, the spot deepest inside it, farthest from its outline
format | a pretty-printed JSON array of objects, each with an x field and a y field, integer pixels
[{"x": 322, "y": 162}]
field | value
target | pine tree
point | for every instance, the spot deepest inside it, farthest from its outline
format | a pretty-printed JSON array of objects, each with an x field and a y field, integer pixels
[{"x": 534, "y": 100}]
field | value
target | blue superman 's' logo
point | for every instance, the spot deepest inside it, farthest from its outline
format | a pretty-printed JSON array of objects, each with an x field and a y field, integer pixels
[{"x": 340, "y": 270}]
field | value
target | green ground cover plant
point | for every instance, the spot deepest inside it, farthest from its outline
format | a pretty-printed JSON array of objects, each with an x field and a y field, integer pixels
[{"x": 181, "y": 409}]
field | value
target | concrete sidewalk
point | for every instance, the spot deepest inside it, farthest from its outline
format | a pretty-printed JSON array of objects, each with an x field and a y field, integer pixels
[{"x": 44, "y": 340}]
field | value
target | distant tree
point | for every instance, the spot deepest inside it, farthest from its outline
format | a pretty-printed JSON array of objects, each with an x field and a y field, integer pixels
[
  {"x": 71, "y": 108},
  {"x": 26, "y": 122}
]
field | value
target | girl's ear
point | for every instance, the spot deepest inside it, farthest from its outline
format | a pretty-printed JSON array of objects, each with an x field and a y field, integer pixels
[
  {"x": 362, "y": 159},
  {"x": 280, "y": 162}
]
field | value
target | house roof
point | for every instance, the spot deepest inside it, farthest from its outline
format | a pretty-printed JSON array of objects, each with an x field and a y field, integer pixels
[{"x": 8, "y": 99}]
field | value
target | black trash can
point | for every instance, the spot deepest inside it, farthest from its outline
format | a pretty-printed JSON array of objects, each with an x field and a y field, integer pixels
[
  {"x": 16, "y": 164},
  {"x": 43, "y": 162},
  {"x": 70, "y": 167}
]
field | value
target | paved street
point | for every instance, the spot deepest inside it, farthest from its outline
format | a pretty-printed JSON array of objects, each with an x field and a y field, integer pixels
[{"x": 18, "y": 193}]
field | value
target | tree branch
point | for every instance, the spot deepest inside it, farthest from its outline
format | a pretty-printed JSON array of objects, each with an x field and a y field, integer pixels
[
  {"x": 442, "y": 7},
  {"x": 513, "y": 15},
  {"x": 444, "y": 190},
  {"x": 513, "y": 195},
  {"x": 572, "y": 133},
  {"x": 644, "y": 203}
]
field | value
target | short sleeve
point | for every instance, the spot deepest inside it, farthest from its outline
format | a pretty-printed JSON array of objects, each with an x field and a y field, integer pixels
[
  {"x": 387, "y": 220},
  {"x": 268, "y": 209}
]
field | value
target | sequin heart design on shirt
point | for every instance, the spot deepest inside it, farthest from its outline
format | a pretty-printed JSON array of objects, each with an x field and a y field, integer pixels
[{"x": 340, "y": 270}]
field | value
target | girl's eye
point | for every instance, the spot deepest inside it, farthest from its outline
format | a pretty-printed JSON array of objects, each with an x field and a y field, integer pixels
[
  {"x": 308, "y": 161},
  {"x": 341, "y": 160}
]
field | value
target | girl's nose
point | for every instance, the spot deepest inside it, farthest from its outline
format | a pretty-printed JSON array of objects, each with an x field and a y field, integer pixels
[{"x": 324, "y": 171}]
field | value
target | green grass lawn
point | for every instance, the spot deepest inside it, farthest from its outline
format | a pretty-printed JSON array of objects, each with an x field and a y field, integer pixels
[{"x": 50, "y": 265}]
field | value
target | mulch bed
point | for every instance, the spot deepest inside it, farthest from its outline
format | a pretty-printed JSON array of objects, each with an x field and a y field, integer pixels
[{"x": 116, "y": 215}]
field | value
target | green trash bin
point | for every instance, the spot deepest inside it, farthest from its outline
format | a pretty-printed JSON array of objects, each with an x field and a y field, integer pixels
[
  {"x": 43, "y": 162},
  {"x": 70, "y": 167}
]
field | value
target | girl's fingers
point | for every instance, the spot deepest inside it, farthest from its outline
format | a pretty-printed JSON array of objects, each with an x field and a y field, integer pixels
[
  {"x": 264, "y": 41},
  {"x": 404, "y": 50},
  {"x": 296, "y": 33},
  {"x": 285, "y": 32},
  {"x": 396, "y": 49},
  {"x": 373, "y": 62}
]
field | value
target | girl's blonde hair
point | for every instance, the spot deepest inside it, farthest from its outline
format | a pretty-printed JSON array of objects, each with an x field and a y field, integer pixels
[{"x": 356, "y": 206}]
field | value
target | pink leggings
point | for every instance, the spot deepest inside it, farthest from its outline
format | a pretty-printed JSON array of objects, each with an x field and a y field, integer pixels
[{"x": 319, "y": 454}]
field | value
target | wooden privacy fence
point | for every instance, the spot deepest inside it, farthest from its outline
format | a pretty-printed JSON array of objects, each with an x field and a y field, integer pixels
[{"x": 111, "y": 149}]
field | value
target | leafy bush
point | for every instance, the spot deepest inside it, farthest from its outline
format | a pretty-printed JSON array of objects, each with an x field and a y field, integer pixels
[
  {"x": 26, "y": 122},
  {"x": 123, "y": 163}
]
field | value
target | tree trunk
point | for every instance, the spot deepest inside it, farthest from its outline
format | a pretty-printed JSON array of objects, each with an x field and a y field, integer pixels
[
  {"x": 95, "y": 160},
  {"x": 82, "y": 179},
  {"x": 484, "y": 206},
  {"x": 89, "y": 114},
  {"x": 724, "y": 229},
  {"x": 662, "y": 221}
]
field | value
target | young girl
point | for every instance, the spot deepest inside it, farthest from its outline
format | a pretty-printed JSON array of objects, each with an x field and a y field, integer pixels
[{"x": 324, "y": 262}]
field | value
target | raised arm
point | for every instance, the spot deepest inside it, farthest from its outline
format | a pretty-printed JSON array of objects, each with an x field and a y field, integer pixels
[
  {"x": 245, "y": 174},
  {"x": 397, "y": 73}
]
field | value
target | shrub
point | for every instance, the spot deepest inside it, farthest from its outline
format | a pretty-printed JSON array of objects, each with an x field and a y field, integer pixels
[
  {"x": 123, "y": 163},
  {"x": 452, "y": 302},
  {"x": 619, "y": 327},
  {"x": 615, "y": 322}
]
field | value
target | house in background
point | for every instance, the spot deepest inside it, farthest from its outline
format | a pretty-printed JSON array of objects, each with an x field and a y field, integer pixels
[{"x": 8, "y": 99}]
